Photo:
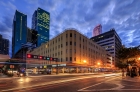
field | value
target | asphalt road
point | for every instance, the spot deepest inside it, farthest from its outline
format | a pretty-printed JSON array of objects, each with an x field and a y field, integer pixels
[{"x": 71, "y": 83}]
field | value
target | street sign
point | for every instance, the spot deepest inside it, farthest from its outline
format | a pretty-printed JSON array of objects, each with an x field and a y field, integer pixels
[{"x": 35, "y": 56}]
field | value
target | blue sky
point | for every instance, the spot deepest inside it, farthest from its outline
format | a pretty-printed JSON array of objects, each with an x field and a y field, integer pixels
[{"x": 84, "y": 15}]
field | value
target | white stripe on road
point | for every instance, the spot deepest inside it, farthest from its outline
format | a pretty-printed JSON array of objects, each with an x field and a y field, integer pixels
[
  {"x": 53, "y": 82},
  {"x": 83, "y": 89}
]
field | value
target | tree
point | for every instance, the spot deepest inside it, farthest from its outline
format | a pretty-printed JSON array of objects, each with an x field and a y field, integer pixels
[{"x": 128, "y": 56}]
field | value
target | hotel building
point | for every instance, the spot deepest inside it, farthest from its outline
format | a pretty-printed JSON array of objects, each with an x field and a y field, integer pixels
[{"x": 73, "y": 51}]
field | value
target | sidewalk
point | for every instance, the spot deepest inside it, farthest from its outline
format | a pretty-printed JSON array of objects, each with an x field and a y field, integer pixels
[{"x": 134, "y": 79}]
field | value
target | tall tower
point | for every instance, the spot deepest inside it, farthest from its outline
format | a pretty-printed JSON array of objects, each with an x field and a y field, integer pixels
[
  {"x": 97, "y": 30},
  {"x": 41, "y": 23},
  {"x": 19, "y": 31},
  {"x": 4, "y": 46}
]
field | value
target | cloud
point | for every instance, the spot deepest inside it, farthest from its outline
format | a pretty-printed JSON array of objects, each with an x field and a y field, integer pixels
[{"x": 123, "y": 15}]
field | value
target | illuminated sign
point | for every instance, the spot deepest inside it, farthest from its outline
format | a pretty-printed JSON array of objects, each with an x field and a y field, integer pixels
[{"x": 41, "y": 57}]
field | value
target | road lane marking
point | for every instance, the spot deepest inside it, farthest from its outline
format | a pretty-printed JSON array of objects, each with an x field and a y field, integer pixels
[
  {"x": 53, "y": 82},
  {"x": 96, "y": 84}
]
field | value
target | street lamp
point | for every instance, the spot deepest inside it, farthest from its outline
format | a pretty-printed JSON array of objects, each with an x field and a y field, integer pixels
[
  {"x": 98, "y": 63},
  {"x": 84, "y": 61}
]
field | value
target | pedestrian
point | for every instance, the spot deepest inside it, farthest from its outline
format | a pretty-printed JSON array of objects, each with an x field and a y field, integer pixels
[
  {"x": 123, "y": 73},
  {"x": 132, "y": 73}
]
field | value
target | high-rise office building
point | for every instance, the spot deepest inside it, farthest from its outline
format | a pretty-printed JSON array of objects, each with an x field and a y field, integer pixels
[
  {"x": 32, "y": 36},
  {"x": 97, "y": 30},
  {"x": 110, "y": 41},
  {"x": 19, "y": 32},
  {"x": 41, "y": 23},
  {"x": 4, "y": 46}
]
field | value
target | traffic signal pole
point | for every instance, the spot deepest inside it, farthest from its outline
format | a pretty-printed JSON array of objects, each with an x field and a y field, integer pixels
[{"x": 56, "y": 67}]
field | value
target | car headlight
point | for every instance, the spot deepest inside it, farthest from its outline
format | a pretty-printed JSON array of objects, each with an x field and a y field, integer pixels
[{"x": 21, "y": 74}]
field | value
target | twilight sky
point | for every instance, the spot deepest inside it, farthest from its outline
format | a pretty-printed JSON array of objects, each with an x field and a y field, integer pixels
[{"x": 84, "y": 15}]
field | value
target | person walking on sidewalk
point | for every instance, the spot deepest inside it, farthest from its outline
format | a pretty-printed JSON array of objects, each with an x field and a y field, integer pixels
[{"x": 123, "y": 73}]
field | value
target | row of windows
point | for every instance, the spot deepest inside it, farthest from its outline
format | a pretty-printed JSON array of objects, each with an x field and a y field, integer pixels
[
  {"x": 70, "y": 59},
  {"x": 106, "y": 41},
  {"x": 84, "y": 47},
  {"x": 108, "y": 44},
  {"x": 58, "y": 40}
]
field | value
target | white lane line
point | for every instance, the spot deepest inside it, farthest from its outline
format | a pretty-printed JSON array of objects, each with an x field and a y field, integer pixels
[
  {"x": 96, "y": 84},
  {"x": 119, "y": 86},
  {"x": 53, "y": 82}
]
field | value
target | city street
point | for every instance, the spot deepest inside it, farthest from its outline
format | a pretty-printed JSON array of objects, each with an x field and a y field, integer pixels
[
  {"x": 71, "y": 83},
  {"x": 64, "y": 83}
]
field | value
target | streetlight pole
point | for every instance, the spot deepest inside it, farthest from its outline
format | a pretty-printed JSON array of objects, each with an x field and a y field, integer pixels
[{"x": 56, "y": 67}]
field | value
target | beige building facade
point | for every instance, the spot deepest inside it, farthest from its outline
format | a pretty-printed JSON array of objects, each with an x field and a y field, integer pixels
[{"x": 74, "y": 50}]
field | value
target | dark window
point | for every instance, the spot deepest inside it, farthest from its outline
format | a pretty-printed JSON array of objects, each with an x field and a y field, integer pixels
[
  {"x": 70, "y": 50},
  {"x": 70, "y": 43},
  {"x": 66, "y": 35},
  {"x": 66, "y": 43},
  {"x": 70, "y": 58},
  {"x": 75, "y": 59},
  {"x": 74, "y": 43},
  {"x": 66, "y": 58},
  {"x": 75, "y": 35},
  {"x": 83, "y": 40},
  {"x": 70, "y": 34},
  {"x": 61, "y": 45},
  {"x": 61, "y": 52},
  {"x": 61, "y": 37}
]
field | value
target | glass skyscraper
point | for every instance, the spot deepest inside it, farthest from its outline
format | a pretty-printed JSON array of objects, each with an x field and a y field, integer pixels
[
  {"x": 41, "y": 23},
  {"x": 4, "y": 46},
  {"x": 19, "y": 31}
]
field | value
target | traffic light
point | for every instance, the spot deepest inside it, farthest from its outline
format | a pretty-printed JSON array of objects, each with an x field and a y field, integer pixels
[
  {"x": 48, "y": 58},
  {"x": 54, "y": 59},
  {"x": 29, "y": 56},
  {"x": 51, "y": 58},
  {"x": 40, "y": 57}
]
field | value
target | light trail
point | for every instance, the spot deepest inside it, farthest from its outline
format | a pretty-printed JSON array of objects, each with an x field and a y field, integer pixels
[{"x": 56, "y": 82}]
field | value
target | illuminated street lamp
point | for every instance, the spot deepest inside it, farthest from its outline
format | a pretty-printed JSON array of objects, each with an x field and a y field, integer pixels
[
  {"x": 98, "y": 63},
  {"x": 84, "y": 61}
]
